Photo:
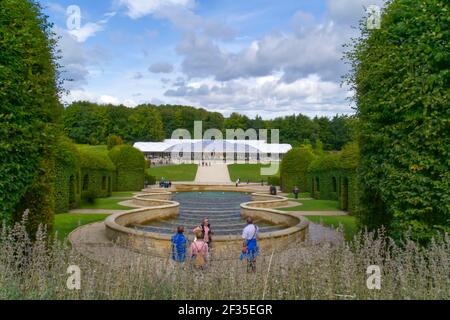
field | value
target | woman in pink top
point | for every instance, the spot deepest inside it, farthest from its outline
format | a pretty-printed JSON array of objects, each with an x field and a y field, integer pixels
[{"x": 199, "y": 248}]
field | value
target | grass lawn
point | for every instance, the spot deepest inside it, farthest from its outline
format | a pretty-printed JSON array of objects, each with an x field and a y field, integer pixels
[
  {"x": 300, "y": 195},
  {"x": 66, "y": 223},
  {"x": 246, "y": 172},
  {"x": 182, "y": 172},
  {"x": 348, "y": 223},
  {"x": 123, "y": 194},
  {"x": 315, "y": 205},
  {"x": 111, "y": 203}
]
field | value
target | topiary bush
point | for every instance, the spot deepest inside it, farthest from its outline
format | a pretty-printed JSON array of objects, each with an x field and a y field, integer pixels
[
  {"x": 150, "y": 180},
  {"x": 294, "y": 168},
  {"x": 97, "y": 171},
  {"x": 130, "y": 167},
  {"x": 400, "y": 73},
  {"x": 324, "y": 176},
  {"x": 29, "y": 110},
  {"x": 113, "y": 141}
]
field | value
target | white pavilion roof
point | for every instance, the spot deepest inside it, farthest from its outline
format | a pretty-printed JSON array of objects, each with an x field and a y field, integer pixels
[{"x": 195, "y": 145}]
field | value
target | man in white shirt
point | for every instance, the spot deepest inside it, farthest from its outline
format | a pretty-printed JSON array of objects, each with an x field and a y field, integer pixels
[
  {"x": 250, "y": 248},
  {"x": 250, "y": 231}
]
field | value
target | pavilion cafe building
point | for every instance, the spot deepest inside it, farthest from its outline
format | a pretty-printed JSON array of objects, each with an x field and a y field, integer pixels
[{"x": 215, "y": 151}]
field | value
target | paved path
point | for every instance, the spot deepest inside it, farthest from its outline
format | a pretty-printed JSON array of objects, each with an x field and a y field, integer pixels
[{"x": 216, "y": 173}]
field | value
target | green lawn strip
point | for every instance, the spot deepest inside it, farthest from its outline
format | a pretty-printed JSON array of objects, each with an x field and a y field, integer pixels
[
  {"x": 123, "y": 194},
  {"x": 301, "y": 195},
  {"x": 105, "y": 203},
  {"x": 67, "y": 222},
  {"x": 182, "y": 172},
  {"x": 315, "y": 205},
  {"x": 251, "y": 172},
  {"x": 348, "y": 223}
]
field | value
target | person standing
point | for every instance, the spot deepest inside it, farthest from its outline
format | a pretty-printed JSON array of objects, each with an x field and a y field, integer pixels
[
  {"x": 205, "y": 228},
  {"x": 179, "y": 245},
  {"x": 199, "y": 251},
  {"x": 296, "y": 191},
  {"x": 250, "y": 249}
]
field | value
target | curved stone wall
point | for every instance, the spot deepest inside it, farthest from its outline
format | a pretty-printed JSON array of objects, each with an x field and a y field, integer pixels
[{"x": 223, "y": 246}]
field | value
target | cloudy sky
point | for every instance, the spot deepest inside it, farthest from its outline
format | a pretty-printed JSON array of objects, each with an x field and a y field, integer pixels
[{"x": 266, "y": 57}]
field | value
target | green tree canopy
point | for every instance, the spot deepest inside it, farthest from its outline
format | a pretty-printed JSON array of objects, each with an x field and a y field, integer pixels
[{"x": 146, "y": 125}]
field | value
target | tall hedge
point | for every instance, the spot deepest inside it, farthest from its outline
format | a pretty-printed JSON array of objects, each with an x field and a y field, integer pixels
[
  {"x": 401, "y": 76},
  {"x": 97, "y": 171},
  {"x": 294, "y": 168},
  {"x": 67, "y": 176},
  {"x": 29, "y": 108},
  {"x": 322, "y": 171},
  {"x": 333, "y": 176},
  {"x": 130, "y": 168}
]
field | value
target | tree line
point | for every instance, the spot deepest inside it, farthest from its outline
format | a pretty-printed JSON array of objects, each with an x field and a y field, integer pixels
[{"x": 91, "y": 123}]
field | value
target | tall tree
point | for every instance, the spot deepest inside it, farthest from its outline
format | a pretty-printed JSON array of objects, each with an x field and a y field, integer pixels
[{"x": 146, "y": 125}]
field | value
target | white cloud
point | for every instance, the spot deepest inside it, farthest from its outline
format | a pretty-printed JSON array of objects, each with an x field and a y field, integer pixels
[
  {"x": 82, "y": 95},
  {"x": 106, "y": 99},
  {"x": 140, "y": 8},
  {"x": 265, "y": 96},
  {"x": 85, "y": 32},
  {"x": 316, "y": 49},
  {"x": 90, "y": 29}
]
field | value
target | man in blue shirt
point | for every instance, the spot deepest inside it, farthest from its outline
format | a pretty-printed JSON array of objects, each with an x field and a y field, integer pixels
[{"x": 179, "y": 245}]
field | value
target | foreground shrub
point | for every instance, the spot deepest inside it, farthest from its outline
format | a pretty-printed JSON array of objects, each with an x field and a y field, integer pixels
[{"x": 37, "y": 270}]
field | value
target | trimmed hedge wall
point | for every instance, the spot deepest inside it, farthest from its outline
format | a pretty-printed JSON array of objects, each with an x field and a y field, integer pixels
[
  {"x": 39, "y": 199},
  {"x": 294, "y": 168},
  {"x": 67, "y": 176},
  {"x": 333, "y": 176},
  {"x": 274, "y": 181},
  {"x": 130, "y": 168},
  {"x": 29, "y": 112},
  {"x": 97, "y": 172}
]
